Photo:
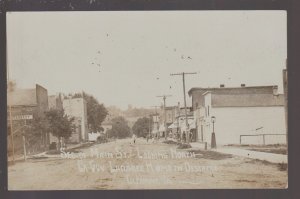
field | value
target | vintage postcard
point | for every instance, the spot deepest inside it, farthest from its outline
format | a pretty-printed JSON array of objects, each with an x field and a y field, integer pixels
[{"x": 147, "y": 100}]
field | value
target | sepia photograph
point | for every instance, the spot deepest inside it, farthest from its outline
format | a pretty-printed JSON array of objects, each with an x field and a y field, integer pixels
[{"x": 147, "y": 100}]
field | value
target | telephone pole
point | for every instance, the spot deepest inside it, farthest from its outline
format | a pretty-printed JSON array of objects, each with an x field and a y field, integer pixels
[
  {"x": 185, "y": 111},
  {"x": 165, "y": 116}
]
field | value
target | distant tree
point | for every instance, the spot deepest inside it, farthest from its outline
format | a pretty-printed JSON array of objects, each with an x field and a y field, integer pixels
[
  {"x": 11, "y": 86},
  {"x": 96, "y": 112},
  {"x": 59, "y": 124},
  {"x": 138, "y": 112},
  {"x": 120, "y": 128},
  {"x": 142, "y": 127}
]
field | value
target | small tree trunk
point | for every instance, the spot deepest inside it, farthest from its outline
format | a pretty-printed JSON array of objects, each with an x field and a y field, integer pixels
[{"x": 59, "y": 143}]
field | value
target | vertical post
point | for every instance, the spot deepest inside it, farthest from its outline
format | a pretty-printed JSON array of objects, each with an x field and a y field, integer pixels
[
  {"x": 185, "y": 112},
  {"x": 264, "y": 142},
  {"x": 240, "y": 139},
  {"x": 213, "y": 135},
  {"x": 61, "y": 144},
  {"x": 24, "y": 147},
  {"x": 165, "y": 117},
  {"x": 201, "y": 132},
  {"x": 149, "y": 125},
  {"x": 285, "y": 91}
]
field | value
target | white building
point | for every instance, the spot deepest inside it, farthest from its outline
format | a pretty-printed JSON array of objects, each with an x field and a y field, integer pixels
[
  {"x": 252, "y": 111},
  {"x": 76, "y": 108}
]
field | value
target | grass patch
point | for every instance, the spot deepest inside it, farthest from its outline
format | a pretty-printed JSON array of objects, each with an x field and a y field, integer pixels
[
  {"x": 57, "y": 152},
  {"x": 85, "y": 145},
  {"x": 184, "y": 146},
  {"x": 257, "y": 161},
  {"x": 245, "y": 180},
  {"x": 212, "y": 155},
  {"x": 37, "y": 157},
  {"x": 282, "y": 166},
  {"x": 170, "y": 142},
  {"x": 282, "y": 151},
  {"x": 258, "y": 145}
]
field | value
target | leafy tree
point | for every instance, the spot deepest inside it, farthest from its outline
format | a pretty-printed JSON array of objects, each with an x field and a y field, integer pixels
[
  {"x": 59, "y": 124},
  {"x": 38, "y": 129},
  {"x": 96, "y": 112},
  {"x": 120, "y": 128},
  {"x": 142, "y": 127}
]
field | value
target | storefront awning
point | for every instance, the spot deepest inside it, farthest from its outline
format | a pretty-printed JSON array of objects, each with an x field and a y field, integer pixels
[
  {"x": 174, "y": 125},
  {"x": 191, "y": 124}
]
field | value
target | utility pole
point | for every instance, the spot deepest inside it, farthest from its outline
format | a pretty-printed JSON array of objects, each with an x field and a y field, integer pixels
[
  {"x": 165, "y": 115},
  {"x": 185, "y": 111}
]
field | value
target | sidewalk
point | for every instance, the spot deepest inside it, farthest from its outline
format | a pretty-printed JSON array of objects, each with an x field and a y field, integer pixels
[{"x": 270, "y": 157}]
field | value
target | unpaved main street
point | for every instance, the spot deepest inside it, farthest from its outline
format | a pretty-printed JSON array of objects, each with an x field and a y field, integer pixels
[{"x": 124, "y": 165}]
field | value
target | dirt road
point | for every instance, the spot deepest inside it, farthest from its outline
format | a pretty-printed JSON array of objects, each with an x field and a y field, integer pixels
[{"x": 124, "y": 165}]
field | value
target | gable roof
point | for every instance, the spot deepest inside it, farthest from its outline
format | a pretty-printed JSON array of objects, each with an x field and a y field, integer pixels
[{"x": 247, "y": 100}]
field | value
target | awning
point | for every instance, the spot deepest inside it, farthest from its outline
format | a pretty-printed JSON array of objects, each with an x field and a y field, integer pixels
[
  {"x": 174, "y": 125},
  {"x": 191, "y": 123}
]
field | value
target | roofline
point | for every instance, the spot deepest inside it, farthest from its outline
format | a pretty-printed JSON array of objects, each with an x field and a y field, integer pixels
[
  {"x": 21, "y": 105},
  {"x": 38, "y": 85},
  {"x": 224, "y": 88},
  {"x": 279, "y": 105}
]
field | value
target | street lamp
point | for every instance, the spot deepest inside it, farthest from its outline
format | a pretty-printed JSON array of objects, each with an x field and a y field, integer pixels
[{"x": 213, "y": 136}]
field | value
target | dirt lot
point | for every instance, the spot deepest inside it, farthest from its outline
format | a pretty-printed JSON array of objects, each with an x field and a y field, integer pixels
[{"x": 122, "y": 165}]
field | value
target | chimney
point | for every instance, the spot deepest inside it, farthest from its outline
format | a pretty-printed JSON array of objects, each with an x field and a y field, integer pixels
[
  {"x": 243, "y": 85},
  {"x": 275, "y": 90},
  {"x": 222, "y": 85}
]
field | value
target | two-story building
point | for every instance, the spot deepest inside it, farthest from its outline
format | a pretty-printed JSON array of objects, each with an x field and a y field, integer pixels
[
  {"x": 239, "y": 111},
  {"x": 25, "y": 105}
]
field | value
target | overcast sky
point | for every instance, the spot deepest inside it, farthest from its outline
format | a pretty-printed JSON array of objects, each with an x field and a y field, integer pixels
[{"x": 126, "y": 57}]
